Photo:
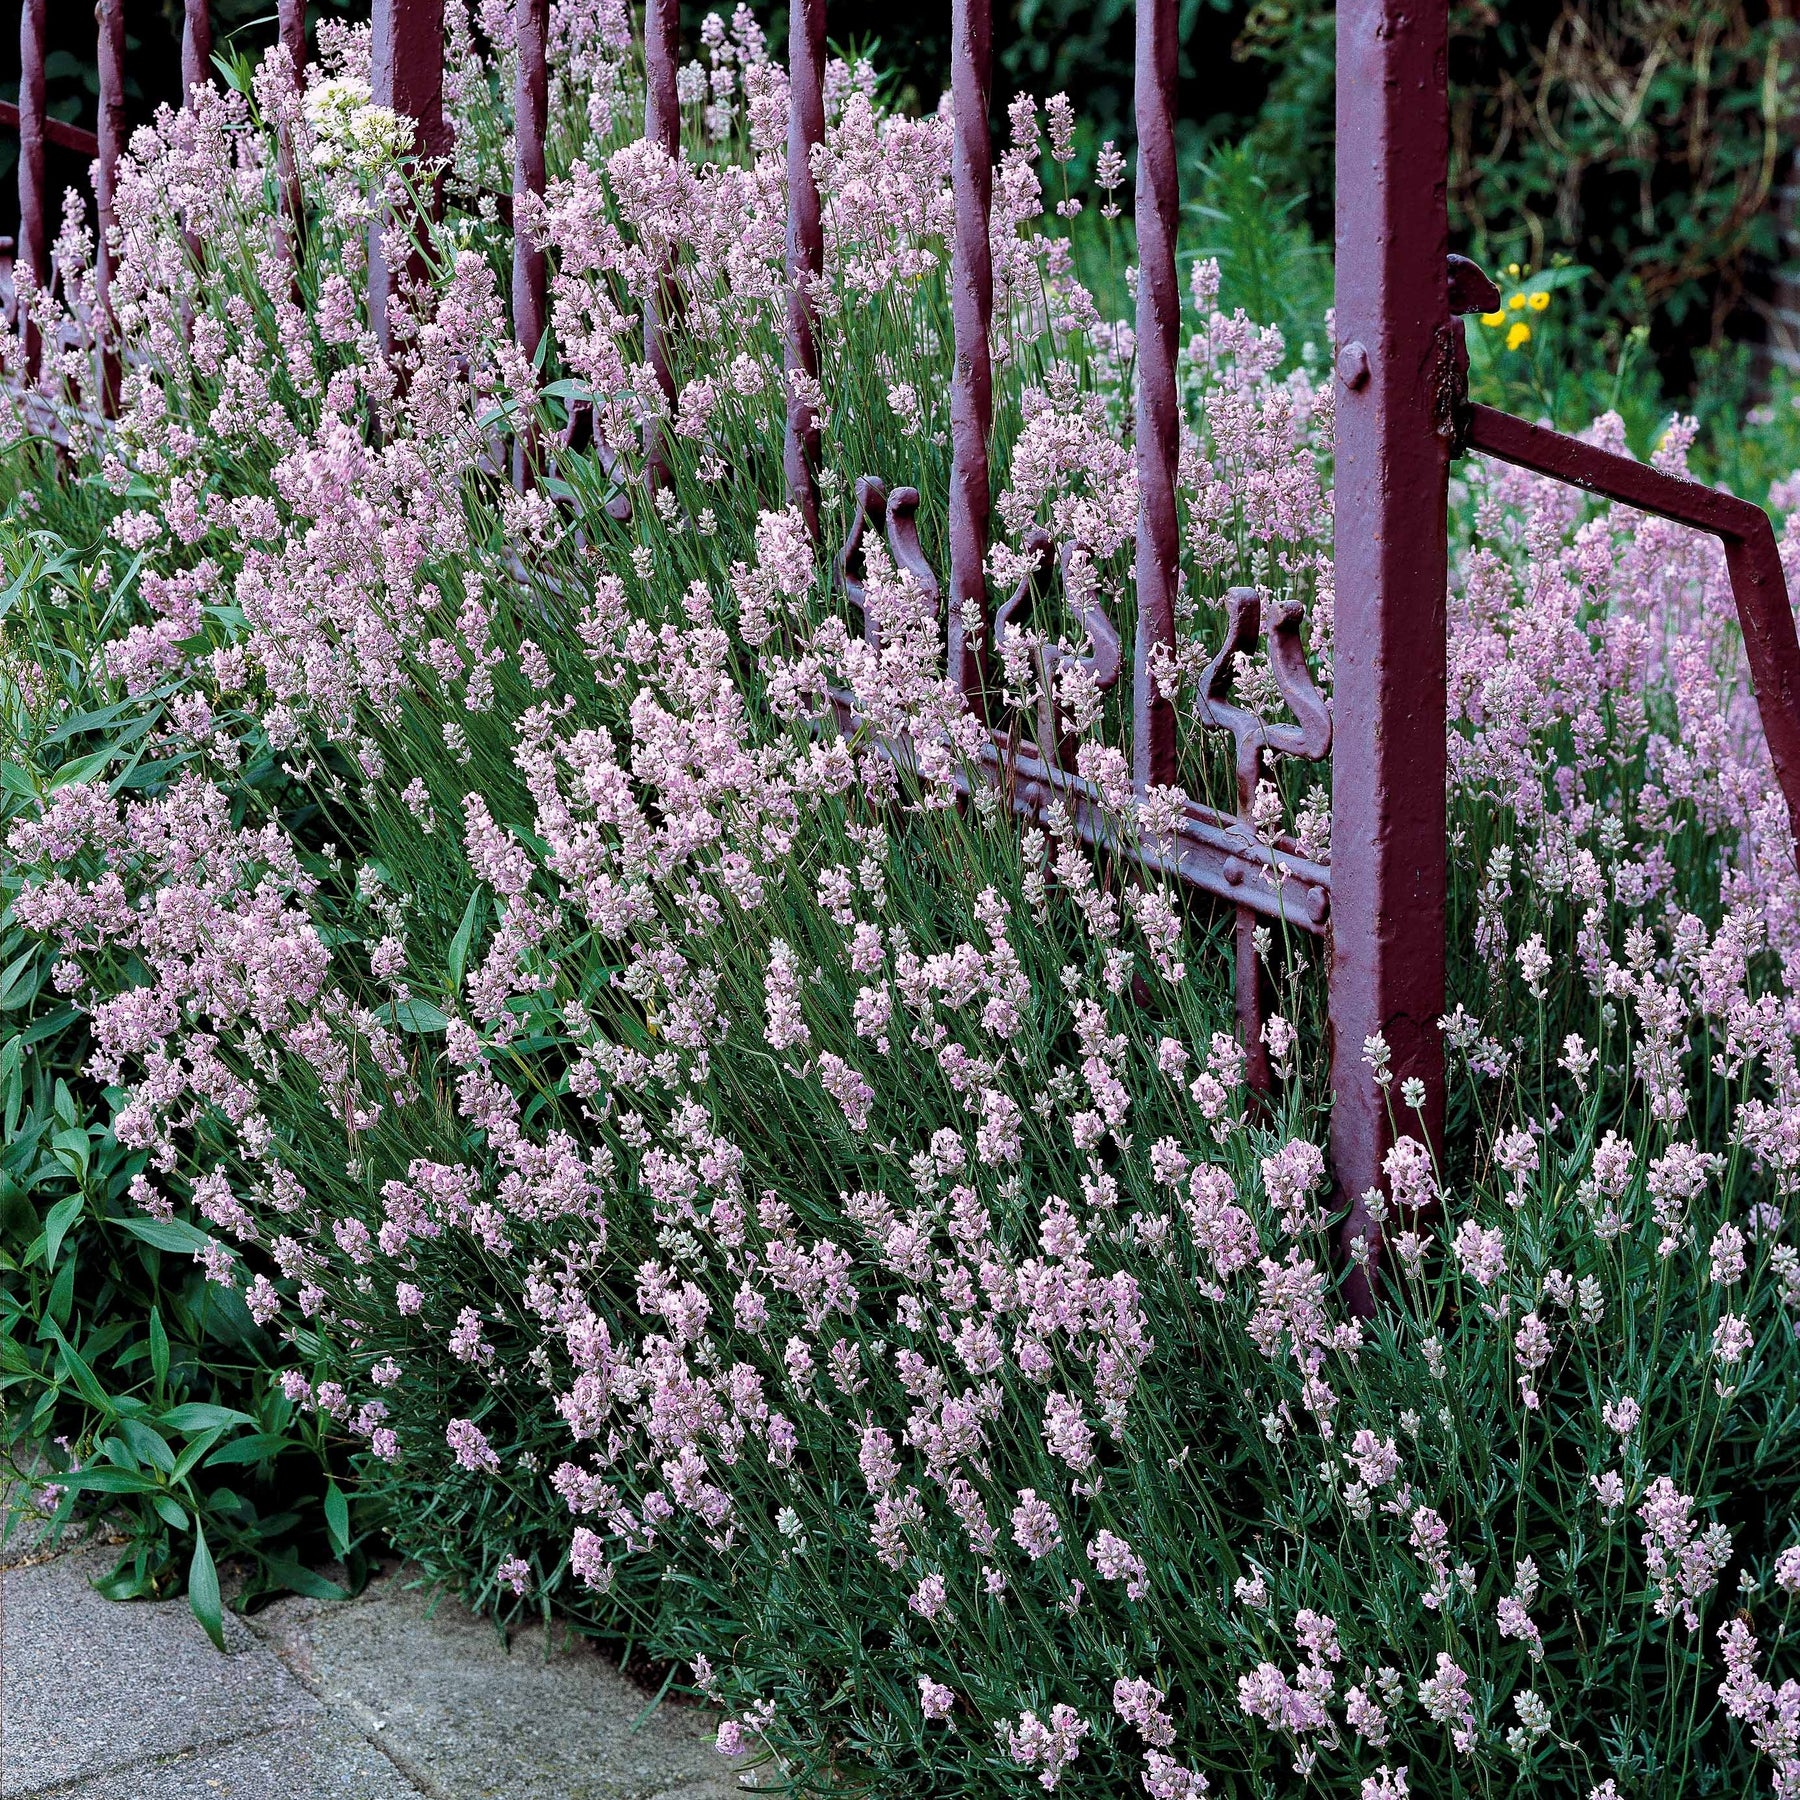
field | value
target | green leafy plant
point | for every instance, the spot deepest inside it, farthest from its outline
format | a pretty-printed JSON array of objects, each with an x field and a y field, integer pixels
[{"x": 130, "y": 1383}]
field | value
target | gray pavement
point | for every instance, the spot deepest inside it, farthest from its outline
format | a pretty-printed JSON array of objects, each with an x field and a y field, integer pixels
[{"x": 383, "y": 1697}]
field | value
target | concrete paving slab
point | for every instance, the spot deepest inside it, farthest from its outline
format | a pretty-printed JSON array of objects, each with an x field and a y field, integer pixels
[
  {"x": 320, "y": 1760},
  {"x": 467, "y": 1718},
  {"x": 91, "y": 1685},
  {"x": 387, "y": 1696}
]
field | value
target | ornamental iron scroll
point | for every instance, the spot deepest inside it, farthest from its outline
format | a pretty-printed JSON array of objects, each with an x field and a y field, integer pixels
[
  {"x": 1228, "y": 856},
  {"x": 1253, "y": 737},
  {"x": 1056, "y": 734},
  {"x": 895, "y": 517}
]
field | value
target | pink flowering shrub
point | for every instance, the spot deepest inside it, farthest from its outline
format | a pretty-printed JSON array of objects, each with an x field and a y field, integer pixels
[{"x": 703, "y": 1174}]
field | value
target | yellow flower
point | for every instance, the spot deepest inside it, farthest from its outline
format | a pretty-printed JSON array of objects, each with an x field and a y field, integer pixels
[
  {"x": 1513, "y": 270},
  {"x": 1493, "y": 318},
  {"x": 1538, "y": 301},
  {"x": 1516, "y": 301},
  {"x": 1519, "y": 336}
]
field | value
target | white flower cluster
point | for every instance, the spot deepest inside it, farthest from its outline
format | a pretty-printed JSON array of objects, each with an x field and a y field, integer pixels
[{"x": 351, "y": 133}]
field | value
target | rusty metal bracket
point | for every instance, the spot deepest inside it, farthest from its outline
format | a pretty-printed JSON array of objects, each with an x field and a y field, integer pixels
[{"x": 1470, "y": 292}]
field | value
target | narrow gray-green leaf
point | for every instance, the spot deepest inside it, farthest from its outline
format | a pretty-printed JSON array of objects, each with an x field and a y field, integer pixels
[
  {"x": 56, "y": 1226},
  {"x": 458, "y": 959},
  {"x": 337, "y": 1518},
  {"x": 203, "y": 1590}
]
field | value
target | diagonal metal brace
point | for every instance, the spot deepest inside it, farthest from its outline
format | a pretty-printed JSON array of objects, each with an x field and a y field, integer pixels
[
  {"x": 1752, "y": 559},
  {"x": 1211, "y": 851}
]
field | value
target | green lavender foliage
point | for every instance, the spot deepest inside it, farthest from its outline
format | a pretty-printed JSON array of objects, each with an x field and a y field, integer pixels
[{"x": 1221, "y": 1474}]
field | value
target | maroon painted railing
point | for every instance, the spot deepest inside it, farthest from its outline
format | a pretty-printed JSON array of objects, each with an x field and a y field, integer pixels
[
  {"x": 1402, "y": 415},
  {"x": 805, "y": 252},
  {"x": 972, "y": 378}
]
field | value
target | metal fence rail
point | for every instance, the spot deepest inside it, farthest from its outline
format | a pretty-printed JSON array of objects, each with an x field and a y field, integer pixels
[{"x": 1402, "y": 416}]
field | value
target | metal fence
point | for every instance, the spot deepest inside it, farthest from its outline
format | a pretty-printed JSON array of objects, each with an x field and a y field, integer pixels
[{"x": 1402, "y": 416}]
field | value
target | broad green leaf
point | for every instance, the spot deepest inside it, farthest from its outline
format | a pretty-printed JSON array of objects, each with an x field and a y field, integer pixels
[
  {"x": 143, "y": 775},
  {"x": 171, "y": 1511},
  {"x": 159, "y": 1347},
  {"x": 49, "y": 1026},
  {"x": 56, "y": 1226},
  {"x": 148, "y": 1445},
  {"x": 136, "y": 729},
  {"x": 109, "y": 1478},
  {"x": 255, "y": 1447},
  {"x": 83, "y": 768},
  {"x": 120, "y": 1454},
  {"x": 19, "y": 982},
  {"x": 131, "y": 1580},
  {"x": 314, "y": 1586},
  {"x": 12, "y": 1078},
  {"x": 72, "y": 1149},
  {"x": 175, "y": 1235},
  {"x": 96, "y": 720},
  {"x": 458, "y": 958},
  {"x": 413, "y": 1015},
  {"x": 197, "y": 1416},
  {"x": 337, "y": 1518},
  {"x": 195, "y": 1451},
  {"x": 18, "y": 1154},
  {"x": 79, "y": 1372},
  {"x": 203, "y": 1590},
  {"x": 62, "y": 1294}
]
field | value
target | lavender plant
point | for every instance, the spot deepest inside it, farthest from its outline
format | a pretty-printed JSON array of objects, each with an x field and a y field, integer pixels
[{"x": 710, "y": 1177}]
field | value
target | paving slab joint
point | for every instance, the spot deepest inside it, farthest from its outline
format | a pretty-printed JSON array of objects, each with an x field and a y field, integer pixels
[{"x": 152, "y": 1759}]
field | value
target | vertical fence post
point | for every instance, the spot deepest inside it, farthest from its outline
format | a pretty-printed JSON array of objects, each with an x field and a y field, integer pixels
[
  {"x": 805, "y": 250},
  {"x": 110, "y": 17},
  {"x": 531, "y": 105},
  {"x": 34, "y": 241},
  {"x": 196, "y": 48},
  {"x": 291, "y": 34},
  {"x": 196, "y": 72},
  {"x": 406, "y": 71},
  {"x": 1391, "y": 554},
  {"x": 1158, "y": 407},
  {"x": 972, "y": 311},
  {"x": 662, "y": 125}
]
